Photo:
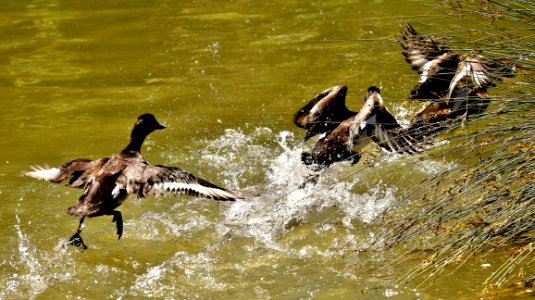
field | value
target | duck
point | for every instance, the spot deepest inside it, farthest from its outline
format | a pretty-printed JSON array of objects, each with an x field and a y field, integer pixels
[
  {"x": 108, "y": 181},
  {"x": 436, "y": 117},
  {"x": 443, "y": 71},
  {"x": 345, "y": 133},
  {"x": 456, "y": 84}
]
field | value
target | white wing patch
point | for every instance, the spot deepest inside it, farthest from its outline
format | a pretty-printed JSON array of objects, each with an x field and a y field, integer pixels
[
  {"x": 363, "y": 125},
  {"x": 425, "y": 71},
  {"x": 43, "y": 173},
  {"x": 417, "y": 59},
  {"x": 475, "y": 70},
  {"x": 177, "y": 188},
  {"x": 316, "y": 109}
]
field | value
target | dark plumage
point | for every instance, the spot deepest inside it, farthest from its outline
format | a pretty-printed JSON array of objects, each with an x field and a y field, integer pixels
[
  {"x": 443, "y": 70},
  {"x": 456, "y": 82},
  {"x": 345, "y": 139},
  {"x": 108, "y": 181},
  {"x": 324, "y": 113}
]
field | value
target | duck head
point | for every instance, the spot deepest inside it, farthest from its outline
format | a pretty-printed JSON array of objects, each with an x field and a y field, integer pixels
[
  {"x": 372, "y": 89},
  {"x": 145, "y": 124},
  {"x": 374, "y": 93}
]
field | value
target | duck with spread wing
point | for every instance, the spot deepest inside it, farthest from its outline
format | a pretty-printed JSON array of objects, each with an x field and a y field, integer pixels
[
  {"x": 108, "y": 181},
  {"x": 344, "y": 132},
  {"x": 456, "y": 83}
]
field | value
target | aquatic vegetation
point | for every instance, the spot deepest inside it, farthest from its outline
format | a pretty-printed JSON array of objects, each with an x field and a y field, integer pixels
[{"x": 485, "y": 203}]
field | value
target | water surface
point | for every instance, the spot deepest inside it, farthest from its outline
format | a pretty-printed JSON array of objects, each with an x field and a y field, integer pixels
[{"x": 226, "y": 77}]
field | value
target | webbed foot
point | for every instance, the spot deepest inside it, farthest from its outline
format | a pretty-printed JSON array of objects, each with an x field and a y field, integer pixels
[{"x": 76, "y": 240}]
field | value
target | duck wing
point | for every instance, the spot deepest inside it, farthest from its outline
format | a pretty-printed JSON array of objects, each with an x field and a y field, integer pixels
[
  {"x": 389, "y": 135},
  {"x": 475, "y": 71},
  {"x": 432, "y": 119},
  {"x": 375, "y": 123},
  {"x": 324, "y": 112},
  {"x": 158, "y": 180},
  {"x": 420, "y": 49},
  {"x": 432, "y": 59},
  {"x": 79, "y": 170},
  {"x": 435, "y": 78}
]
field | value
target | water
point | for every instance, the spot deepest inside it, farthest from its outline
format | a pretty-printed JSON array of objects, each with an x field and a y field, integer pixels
[{"x": 226, "y": 77}]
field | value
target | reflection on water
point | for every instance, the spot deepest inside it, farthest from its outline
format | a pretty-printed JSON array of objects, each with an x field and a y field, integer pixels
[{"x": 226, "y": 78}]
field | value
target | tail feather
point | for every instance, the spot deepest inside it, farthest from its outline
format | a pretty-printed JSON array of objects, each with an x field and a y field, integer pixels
[{"x": 43, "y": 172}]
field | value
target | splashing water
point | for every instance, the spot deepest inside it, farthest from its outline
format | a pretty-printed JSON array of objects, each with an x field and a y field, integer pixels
[
  {"x": 284, "y": 203},
  {"x": 34, "y": 268},
  {"x": 269, "y": 163},
  {"x": 195, "y": 269},
  {"x": 286, "y": 219}
]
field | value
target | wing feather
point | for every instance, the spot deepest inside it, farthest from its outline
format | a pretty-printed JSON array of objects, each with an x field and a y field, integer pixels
[
  {"x": 324, "y": 112},
  {"x": 160, "y": 180},
  {"x": 420, "y": 49},
  {"x": 475, "y": 71}
]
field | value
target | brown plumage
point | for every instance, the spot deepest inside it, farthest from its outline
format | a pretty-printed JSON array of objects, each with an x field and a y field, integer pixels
[
  {"x": 457, "y": 83},
  {"x": 108, "y": 181},
  {"x": 345, "y": 141},
  {"x": 443, "y": 70},
  {"x": 324, "y": 112}
]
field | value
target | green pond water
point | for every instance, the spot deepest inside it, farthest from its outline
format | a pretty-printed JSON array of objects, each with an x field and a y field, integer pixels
[{"x": 226, "y": 77}]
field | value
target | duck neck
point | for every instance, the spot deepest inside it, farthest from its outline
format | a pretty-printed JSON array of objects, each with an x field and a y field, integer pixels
[{"x": 136, "y": 141}]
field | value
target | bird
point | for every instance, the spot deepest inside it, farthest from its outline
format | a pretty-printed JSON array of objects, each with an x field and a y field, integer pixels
[
  {"x": 456, "y": 84},
  {"x": 343, "y": 139},
  {"x": 438, "y": 116},
  {"x": 443, "y": 70},
  {"x": 107, "y": 181}
]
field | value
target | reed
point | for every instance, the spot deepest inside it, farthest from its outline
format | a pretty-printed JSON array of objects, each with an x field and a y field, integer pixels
[{"x": 485, "y": 203}]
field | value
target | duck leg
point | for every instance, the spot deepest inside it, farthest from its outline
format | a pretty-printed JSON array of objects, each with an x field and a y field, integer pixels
[
  {"x": 76, "y": 239},
  {"x": 118, "y": 219}
]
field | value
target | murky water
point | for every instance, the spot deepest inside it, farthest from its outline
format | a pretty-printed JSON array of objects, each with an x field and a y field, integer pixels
[{"x": 226, "y": 77}]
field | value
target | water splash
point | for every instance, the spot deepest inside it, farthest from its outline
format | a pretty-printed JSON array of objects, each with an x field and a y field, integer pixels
[
  {"x": 34, "y": 268},
  {"x": 195, "y": 269},
  {"x": 279, "y": 175}
]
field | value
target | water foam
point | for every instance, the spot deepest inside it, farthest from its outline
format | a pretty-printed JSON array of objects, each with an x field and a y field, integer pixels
[
  {"x": 273, "y": 161},
  {"x": 195, "y": 269},
  {"x": 33, "y": 274},
  {"x": 269, "y": 163}
]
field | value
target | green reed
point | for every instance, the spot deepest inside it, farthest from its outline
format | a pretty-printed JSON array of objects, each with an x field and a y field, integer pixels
[{"x": 486, "y": 202}]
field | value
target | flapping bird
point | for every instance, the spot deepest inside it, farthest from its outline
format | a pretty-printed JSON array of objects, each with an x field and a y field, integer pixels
[
  {"x": 108, "y": 181},
  {"x": 456, "y": 83},
  {"x": 442, "y": 70},
  {"x": 346, "y": 133}
]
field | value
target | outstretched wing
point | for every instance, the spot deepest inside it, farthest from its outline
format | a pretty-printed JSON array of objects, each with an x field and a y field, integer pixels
[
  {"x": 475, "y": 71},
  {"x": 420, "y": 49},
  {"x": 324, "y": 113},
  {"x": 79, "y": 170},
  {"x": 374, "y": 122},
  {"x": 434, "y": 61},
  {"x": 160, "y": 180},
  {"x": 389, "y": 135}
]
